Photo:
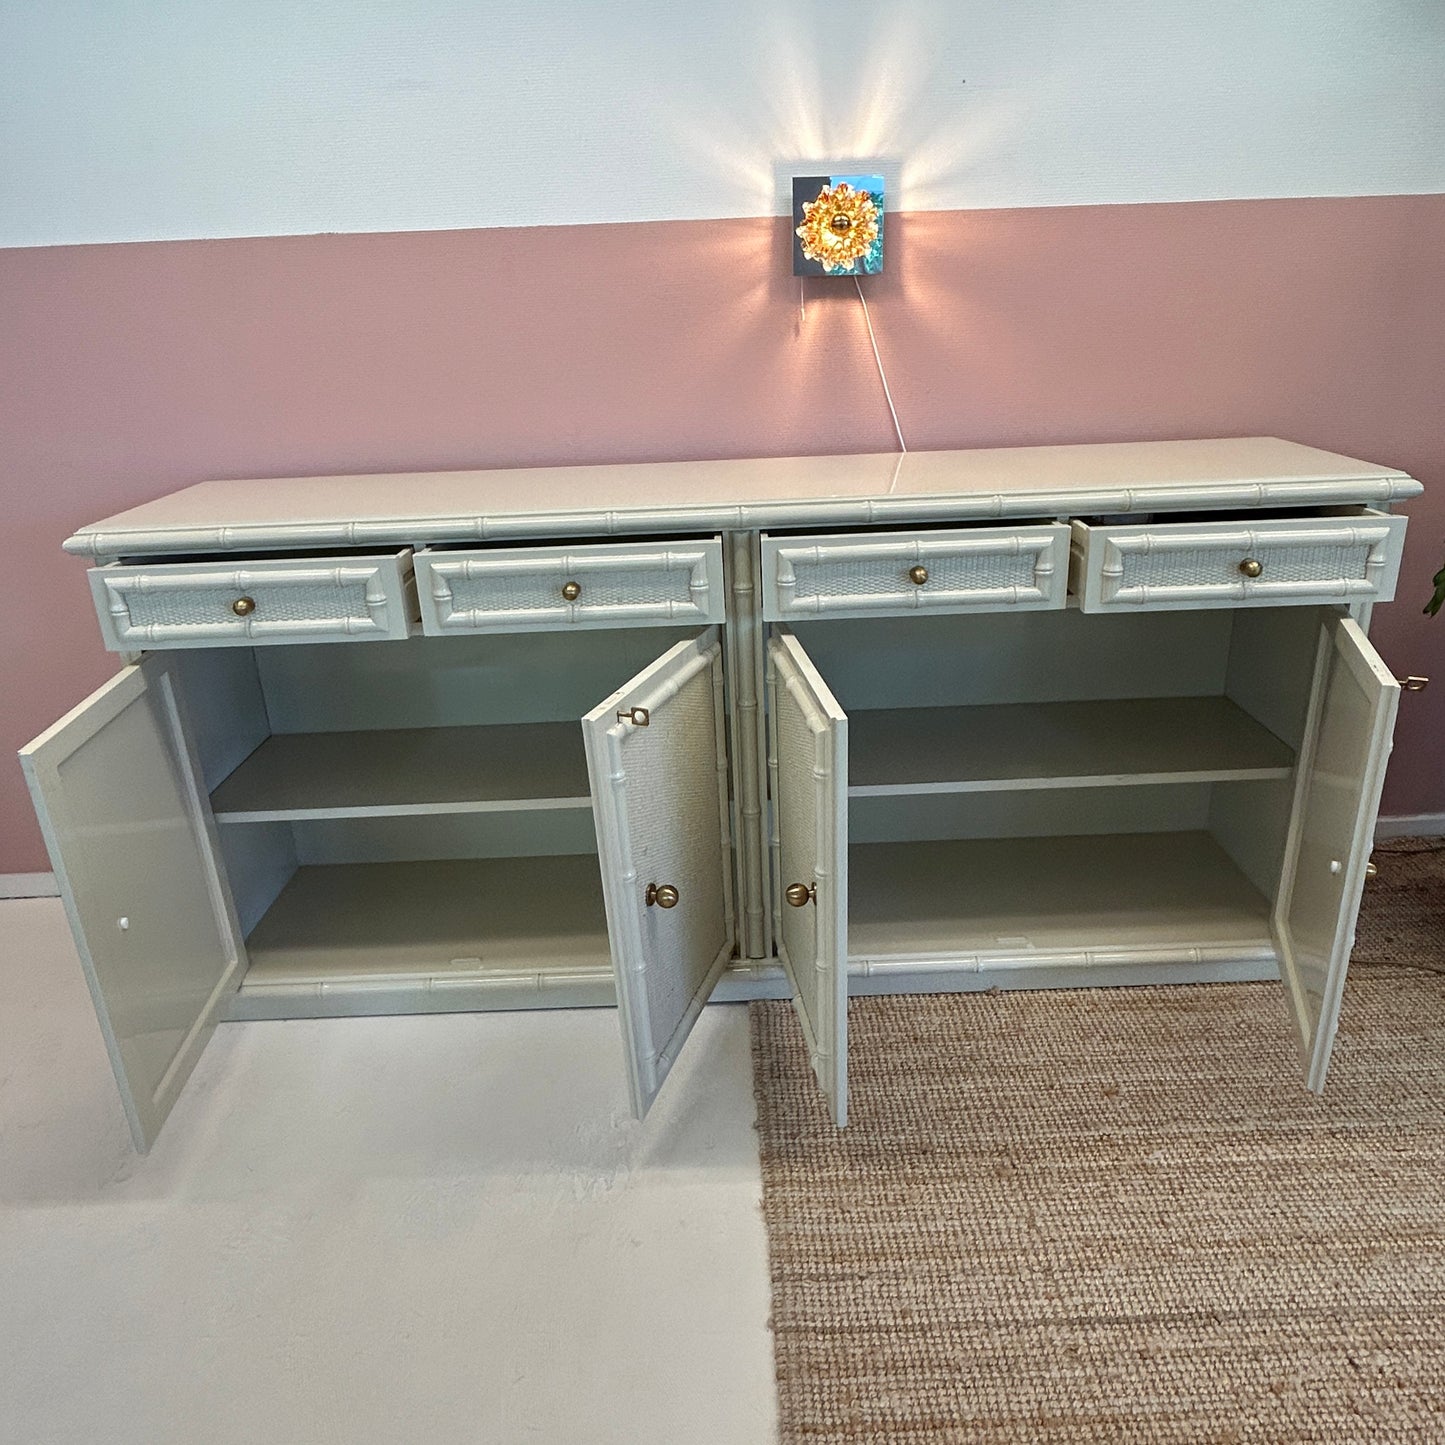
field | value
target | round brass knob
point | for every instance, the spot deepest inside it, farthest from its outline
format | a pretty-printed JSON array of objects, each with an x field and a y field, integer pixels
[
  {"x": 243, "y": 606},
  {"x": 1251, "y": 567},
  {"x": 801, "y": 894},
  {"x": 918, "y": 575},
  {"x": 571, "y": 590},
  {"x": 664, "y": 895},
  {"x": 1370, "y": 870}
]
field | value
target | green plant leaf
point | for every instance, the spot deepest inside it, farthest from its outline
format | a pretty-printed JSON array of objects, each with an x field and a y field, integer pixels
[{"x": 1438, "y": 600}]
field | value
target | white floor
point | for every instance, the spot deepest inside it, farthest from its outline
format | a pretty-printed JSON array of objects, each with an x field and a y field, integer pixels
[{"x": 436, "y": 1229}]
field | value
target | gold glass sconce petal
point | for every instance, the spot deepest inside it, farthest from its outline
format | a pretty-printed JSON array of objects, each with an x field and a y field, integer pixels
[{"x": 837, "y": 225}]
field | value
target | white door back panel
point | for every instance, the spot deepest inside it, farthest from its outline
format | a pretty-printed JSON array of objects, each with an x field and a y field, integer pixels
[
  {"x": 1342, "y": 769},
  {"x": 133, "y": 842}
]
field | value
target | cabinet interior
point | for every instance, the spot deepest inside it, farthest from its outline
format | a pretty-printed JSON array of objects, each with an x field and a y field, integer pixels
[
  {"x": 410, "y": 822},
  {"x": 1056, "y": 783},
  {"x": 413, "y": 818}
]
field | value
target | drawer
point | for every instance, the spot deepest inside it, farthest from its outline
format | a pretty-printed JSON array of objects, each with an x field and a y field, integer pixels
[
  {"x": 977, "y": 569},
  {"x": 1347, "y": 558},
  {"x": 548, "y": 589},
  {"x": 233, "y": 602}
]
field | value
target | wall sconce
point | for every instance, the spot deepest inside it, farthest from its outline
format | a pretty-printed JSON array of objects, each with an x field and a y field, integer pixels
[{"x": 838, "y": 225}]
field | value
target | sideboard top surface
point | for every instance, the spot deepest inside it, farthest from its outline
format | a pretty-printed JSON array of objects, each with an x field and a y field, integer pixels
[{"x": 855, "y": 490}]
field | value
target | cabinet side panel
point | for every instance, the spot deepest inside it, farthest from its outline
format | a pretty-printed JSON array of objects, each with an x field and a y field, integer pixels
[
  {"x": 1250, "y": 821},
  {"x": 260, "y": 860},
  {"x": 1271, "y": 667},
  {"x": 225, "y": 707}
]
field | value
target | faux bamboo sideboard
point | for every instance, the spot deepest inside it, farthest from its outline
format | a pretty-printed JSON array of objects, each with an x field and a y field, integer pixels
[{"x": 950, "y": 720}]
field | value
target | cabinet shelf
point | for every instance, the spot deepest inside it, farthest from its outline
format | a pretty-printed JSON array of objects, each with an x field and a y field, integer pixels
[
  {"x": 453, "y": 921},
  {"x": 1059, "y": 745},
  {"x": 398, "y": 771},
  {"x": 1106, "y": 893}
]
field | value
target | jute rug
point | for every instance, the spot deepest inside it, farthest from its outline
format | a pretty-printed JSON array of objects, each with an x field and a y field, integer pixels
[{"x": 1117, "y": 1215}]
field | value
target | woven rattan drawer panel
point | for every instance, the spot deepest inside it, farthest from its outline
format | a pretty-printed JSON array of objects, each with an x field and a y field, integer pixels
[
  {"x": 548, "y": 589},
  {"x": 979, "y": 569},
  {"x": 1349, "y": 559},
  {"x": 231, "y": 602}
]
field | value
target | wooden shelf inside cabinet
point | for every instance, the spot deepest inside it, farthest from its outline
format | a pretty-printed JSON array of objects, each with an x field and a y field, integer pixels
[
  {"x": 1059, "y": 745},
  {"x": 1094, "y": 892},
  {"x": 400, "y": 771},
  {"x": 365, "y": 922}
]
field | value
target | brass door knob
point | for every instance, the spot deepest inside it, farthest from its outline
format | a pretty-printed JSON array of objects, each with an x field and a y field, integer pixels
[
  {"x": 1251, "y": 567},
  {"x": 571, "y": 590},
  {"x": 801, "y": 894},
  {"x": 243, "y": 606},
  {"x": 918, "y": 575},
  {"x": 664, "y": 895}
]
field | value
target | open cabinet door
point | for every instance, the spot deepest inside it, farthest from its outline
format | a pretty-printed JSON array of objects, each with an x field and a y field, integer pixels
[
  {"x": 808, "y": 774},
  {"x": 657, "y": 762},
  {"x": 1341, "y": 771},
  {"x": 133, "y": 842}
]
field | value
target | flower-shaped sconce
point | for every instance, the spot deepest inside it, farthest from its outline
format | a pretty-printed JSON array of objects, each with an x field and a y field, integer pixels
[{"x": 838, "y": 225}]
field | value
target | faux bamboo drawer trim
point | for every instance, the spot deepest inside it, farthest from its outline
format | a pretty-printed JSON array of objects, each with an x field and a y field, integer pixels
[
  {"x": 236, "y": 603},
  {"x": 977, "y": 569},
  {"x": 549, "y": 589},
  {"x": 1347, "y": 559}
]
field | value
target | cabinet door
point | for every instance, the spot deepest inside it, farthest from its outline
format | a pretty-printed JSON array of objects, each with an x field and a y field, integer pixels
[
  {"x": 132, "y": 839},
  {"x": 657, "y": 762},
  {"x": 1342, "y": 768},
  {"x": 808, "y": 774}
]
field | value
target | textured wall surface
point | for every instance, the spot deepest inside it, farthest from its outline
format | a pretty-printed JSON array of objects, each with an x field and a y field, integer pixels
[
  {"x": 128, "y": 120},
  {"x": 545, "y": 233},
  {"x": 130, "y": 370}
]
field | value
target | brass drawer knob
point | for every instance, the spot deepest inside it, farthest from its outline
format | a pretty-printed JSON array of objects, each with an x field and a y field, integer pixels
[
  {"x": 1370, "y": 870},
  {"x": 1251, "y": 567},
  {"x": 918, "y": 575},
  {"x": 801, "y": 894},
  {"x": 571, "y": 590},
  {"x": 664, "y": 895},
  {"x": 243, "y": 606}
]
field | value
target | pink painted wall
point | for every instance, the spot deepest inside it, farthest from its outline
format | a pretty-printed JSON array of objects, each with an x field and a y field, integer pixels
[{"x": 130, "y": 370}]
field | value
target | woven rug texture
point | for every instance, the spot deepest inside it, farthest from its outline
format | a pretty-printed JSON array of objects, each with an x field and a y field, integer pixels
[{"x": 1116, "y": 1214}]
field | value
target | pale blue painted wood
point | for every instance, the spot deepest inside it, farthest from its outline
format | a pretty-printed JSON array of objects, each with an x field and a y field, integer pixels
[
  {"x": 119, "y": 796},
  {"x": 1342, "y": 771},
  {"x": 808, "y": 769},
  {"x": 657, "y": 759}
]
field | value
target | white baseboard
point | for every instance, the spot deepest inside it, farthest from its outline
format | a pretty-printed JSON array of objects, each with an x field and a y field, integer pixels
[
  {"x": 28, "y": 885},
  {"x": 1411, "y": 825}
]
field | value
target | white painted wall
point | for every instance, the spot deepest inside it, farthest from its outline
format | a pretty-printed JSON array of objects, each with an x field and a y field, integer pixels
[{"x": 139, "y": 119}]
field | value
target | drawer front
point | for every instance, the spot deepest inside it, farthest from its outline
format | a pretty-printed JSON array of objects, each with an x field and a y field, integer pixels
[
  {"x": 235, "y": 603},
  {"x": 982, "y": 569},
  {"x": 549, "y": 589},
  {"x": 1238, "y": 564}
]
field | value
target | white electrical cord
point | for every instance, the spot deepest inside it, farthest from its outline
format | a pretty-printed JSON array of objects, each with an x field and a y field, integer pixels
[{"x": 882, "y": 376}]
